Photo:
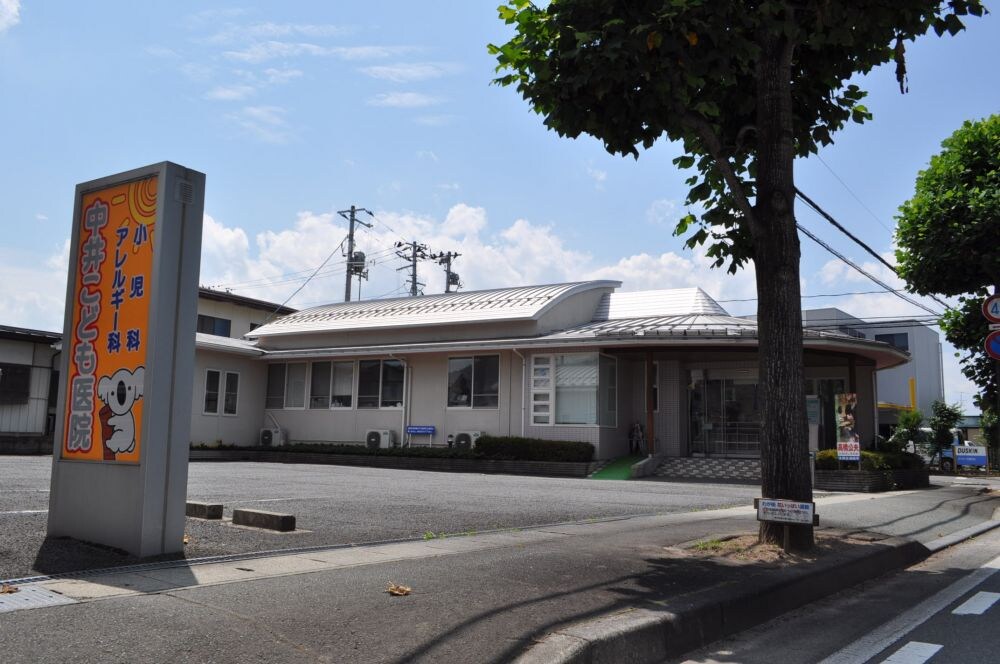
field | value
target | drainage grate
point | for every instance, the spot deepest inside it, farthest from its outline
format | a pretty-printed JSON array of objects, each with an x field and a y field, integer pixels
[{"x": 32, "y": 597}]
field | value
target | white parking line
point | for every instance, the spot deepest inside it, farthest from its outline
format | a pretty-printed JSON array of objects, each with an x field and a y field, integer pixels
[
  {"x": 25, "y": 512},
  {"x": 914, "y": 652},
  {"x": 878, "y": 640},
  {"x": 978, "y": 604}
]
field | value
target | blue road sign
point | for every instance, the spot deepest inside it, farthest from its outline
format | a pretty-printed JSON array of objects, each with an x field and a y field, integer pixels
[
  {"x": 993, "y": 344},
  {"x": 414, "y": 430}
]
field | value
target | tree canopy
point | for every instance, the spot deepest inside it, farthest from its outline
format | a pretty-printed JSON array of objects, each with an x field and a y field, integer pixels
[
  {"x": 947, "y": 233},
  {"x": 745, "y": 87},
  {"x": 629, "y": 73}
]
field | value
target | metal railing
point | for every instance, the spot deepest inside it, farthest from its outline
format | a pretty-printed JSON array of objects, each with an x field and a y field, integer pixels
[{"x": 732, "y": 439}]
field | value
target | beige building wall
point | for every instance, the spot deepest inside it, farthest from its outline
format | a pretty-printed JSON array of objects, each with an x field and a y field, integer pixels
[
  {"x": 242, "y": 428},
  {"x": 240, "y": 315}
]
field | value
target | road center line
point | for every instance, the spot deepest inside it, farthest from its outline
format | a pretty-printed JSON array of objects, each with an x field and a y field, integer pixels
[
  {"x": 978, "y": 604},
  {"x": 881, "y": 638},
  {"x": 914, "y": 652}
]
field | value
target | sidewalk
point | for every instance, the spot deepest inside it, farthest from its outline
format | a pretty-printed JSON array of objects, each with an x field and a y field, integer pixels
[{"x": 476, "y": 598}]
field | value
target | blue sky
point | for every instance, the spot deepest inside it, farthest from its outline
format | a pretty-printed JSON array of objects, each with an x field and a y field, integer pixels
[{"x": 296, "y": 110}]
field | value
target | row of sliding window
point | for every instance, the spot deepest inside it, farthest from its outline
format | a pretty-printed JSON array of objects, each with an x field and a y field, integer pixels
[
  {"x": 473, "y": 382},
  {"x": 575, "y": 389}
]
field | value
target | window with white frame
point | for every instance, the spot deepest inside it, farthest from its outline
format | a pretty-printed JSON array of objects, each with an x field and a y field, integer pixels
[
  {"x": 319, "y": 385},
  {"x": 608, "y": 382},
  {"x": 380, "y": 384},
  {"x": 275, "y": 395},
  {"x": 474, "y": 382},
  {"x": 577, "y": 389},
  {"x": 576, "y": 381},
  {"x": 212, "y": 379},
  {"x": 342, "y": 393},
  {"x": 541, "y": 389},
  {"x": 295, "y": 385},
  {"x": 228, "y": 389}
]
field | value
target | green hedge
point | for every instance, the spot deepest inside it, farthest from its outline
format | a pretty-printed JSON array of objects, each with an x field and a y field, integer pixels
[
  {"x": 870, "y": 460},
  {"x": 533, "y": 449},
  {"x": 487, "y": 447}
]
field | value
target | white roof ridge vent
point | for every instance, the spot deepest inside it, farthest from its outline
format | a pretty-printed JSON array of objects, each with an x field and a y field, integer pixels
[{"x": 691, "y": 301}]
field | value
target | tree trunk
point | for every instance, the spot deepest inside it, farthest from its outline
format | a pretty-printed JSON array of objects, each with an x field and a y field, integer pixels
[{"x": 784, "y": 433}]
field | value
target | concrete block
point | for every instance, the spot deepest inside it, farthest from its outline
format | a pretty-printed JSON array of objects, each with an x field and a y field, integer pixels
[
  {"x": 204, "y": 510},
  {"x": 268, "y": 520}
]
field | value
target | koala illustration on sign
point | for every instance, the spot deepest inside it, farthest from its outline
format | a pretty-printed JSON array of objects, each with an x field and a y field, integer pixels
[{"x": 119, "y": 392}]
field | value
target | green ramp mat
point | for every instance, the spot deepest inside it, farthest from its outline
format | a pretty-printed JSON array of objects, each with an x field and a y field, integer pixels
[{"x": 619, "y": 469}]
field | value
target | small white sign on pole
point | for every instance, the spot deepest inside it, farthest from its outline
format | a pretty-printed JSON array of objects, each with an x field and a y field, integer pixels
[{"x": 785, "y": 511}]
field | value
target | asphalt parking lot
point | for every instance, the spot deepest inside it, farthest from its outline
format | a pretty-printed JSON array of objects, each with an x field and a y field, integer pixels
[{"x": 341, "y": 505}]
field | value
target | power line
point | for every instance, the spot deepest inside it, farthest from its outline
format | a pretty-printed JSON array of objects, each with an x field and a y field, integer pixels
[
  {"x": 823, "y": 213},
  {"x": 826, "y": 215},
  {"x": 871, "y": 292},
  {"x": 863, "y": 271},
  {"x": 851, "y": 192},
  {"x": 279, "y": 307}
]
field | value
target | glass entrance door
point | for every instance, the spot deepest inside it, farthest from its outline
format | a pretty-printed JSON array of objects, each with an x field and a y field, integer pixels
[{"x": 725, "y": 417}]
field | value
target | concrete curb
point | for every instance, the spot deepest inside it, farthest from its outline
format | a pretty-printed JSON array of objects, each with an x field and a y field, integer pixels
[
  {"x": 653, "y": 635},
  {"x": 203, "y": 510},
  {"x": 259, "y": 519}
]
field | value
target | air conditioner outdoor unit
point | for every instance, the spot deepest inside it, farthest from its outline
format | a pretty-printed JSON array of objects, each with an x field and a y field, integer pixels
[
  {"x": 379, "y": 438},
  {"x": 466, "y": 440},
  {"x": 271, "y": 437}
]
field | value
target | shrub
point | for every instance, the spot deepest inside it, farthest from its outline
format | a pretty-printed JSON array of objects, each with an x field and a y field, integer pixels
[
  {"x": 487, "y": 447},
  {"x": 533, "y": 449},
  {"x": 870, "y": 460}
]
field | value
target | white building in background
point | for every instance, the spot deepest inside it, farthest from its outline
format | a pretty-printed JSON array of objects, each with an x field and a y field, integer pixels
[
  {"x": 27, "y": 404},
  {"x": 924, "y": 371},
  {"x": 574, "y": 361}
]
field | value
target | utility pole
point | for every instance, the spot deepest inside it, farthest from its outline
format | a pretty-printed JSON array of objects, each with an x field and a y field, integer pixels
[
  {"x": 414, "y": 251},
  {"x": 450, "y": 278},
  {"x": 355, "y": 260}
]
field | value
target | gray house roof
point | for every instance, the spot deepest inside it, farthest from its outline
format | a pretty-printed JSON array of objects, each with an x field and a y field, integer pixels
[{"x": 502, "y": 304}]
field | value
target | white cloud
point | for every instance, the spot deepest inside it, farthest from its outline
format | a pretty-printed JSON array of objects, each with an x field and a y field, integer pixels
[
  {"x": 435, "y": 120},
  {"x": 409, "y": 72},
  {"x": 230, "y": 92},
  {"x": 10, "y": 14},
  {"x": 403, "y": 100},
  {"x": 598, "y": 176},
  {"x": 449, "y": 186},
  {"x": 267, "y": 30},
  {"x": 265, "y": 123},
  {"x": 263, "y": 51},
  {"x": 41, "y": 217},
  {"x": 429, "y": 155},
  {"x": 520, "y": 253},
  {"x": 33, "y": 290},
  {"x": 662, "y": 212},
  {"x": 161, "y": 52},
  {"x": 276, "y": 76}
]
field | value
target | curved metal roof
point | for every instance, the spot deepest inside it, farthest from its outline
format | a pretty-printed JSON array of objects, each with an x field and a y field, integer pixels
[
  {"x": 670, "y": 302},
  {"x": 501, "y": 304}
]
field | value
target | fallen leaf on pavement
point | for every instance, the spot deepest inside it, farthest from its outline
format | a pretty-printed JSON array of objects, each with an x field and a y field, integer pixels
[
  {"x": 187, "y": 539},
  {"x": 398, "y": 590},
  {"x": 7, "y": 589}
]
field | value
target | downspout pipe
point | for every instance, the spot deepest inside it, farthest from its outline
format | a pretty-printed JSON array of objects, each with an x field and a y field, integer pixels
[{"x": 524, "y": 391}]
